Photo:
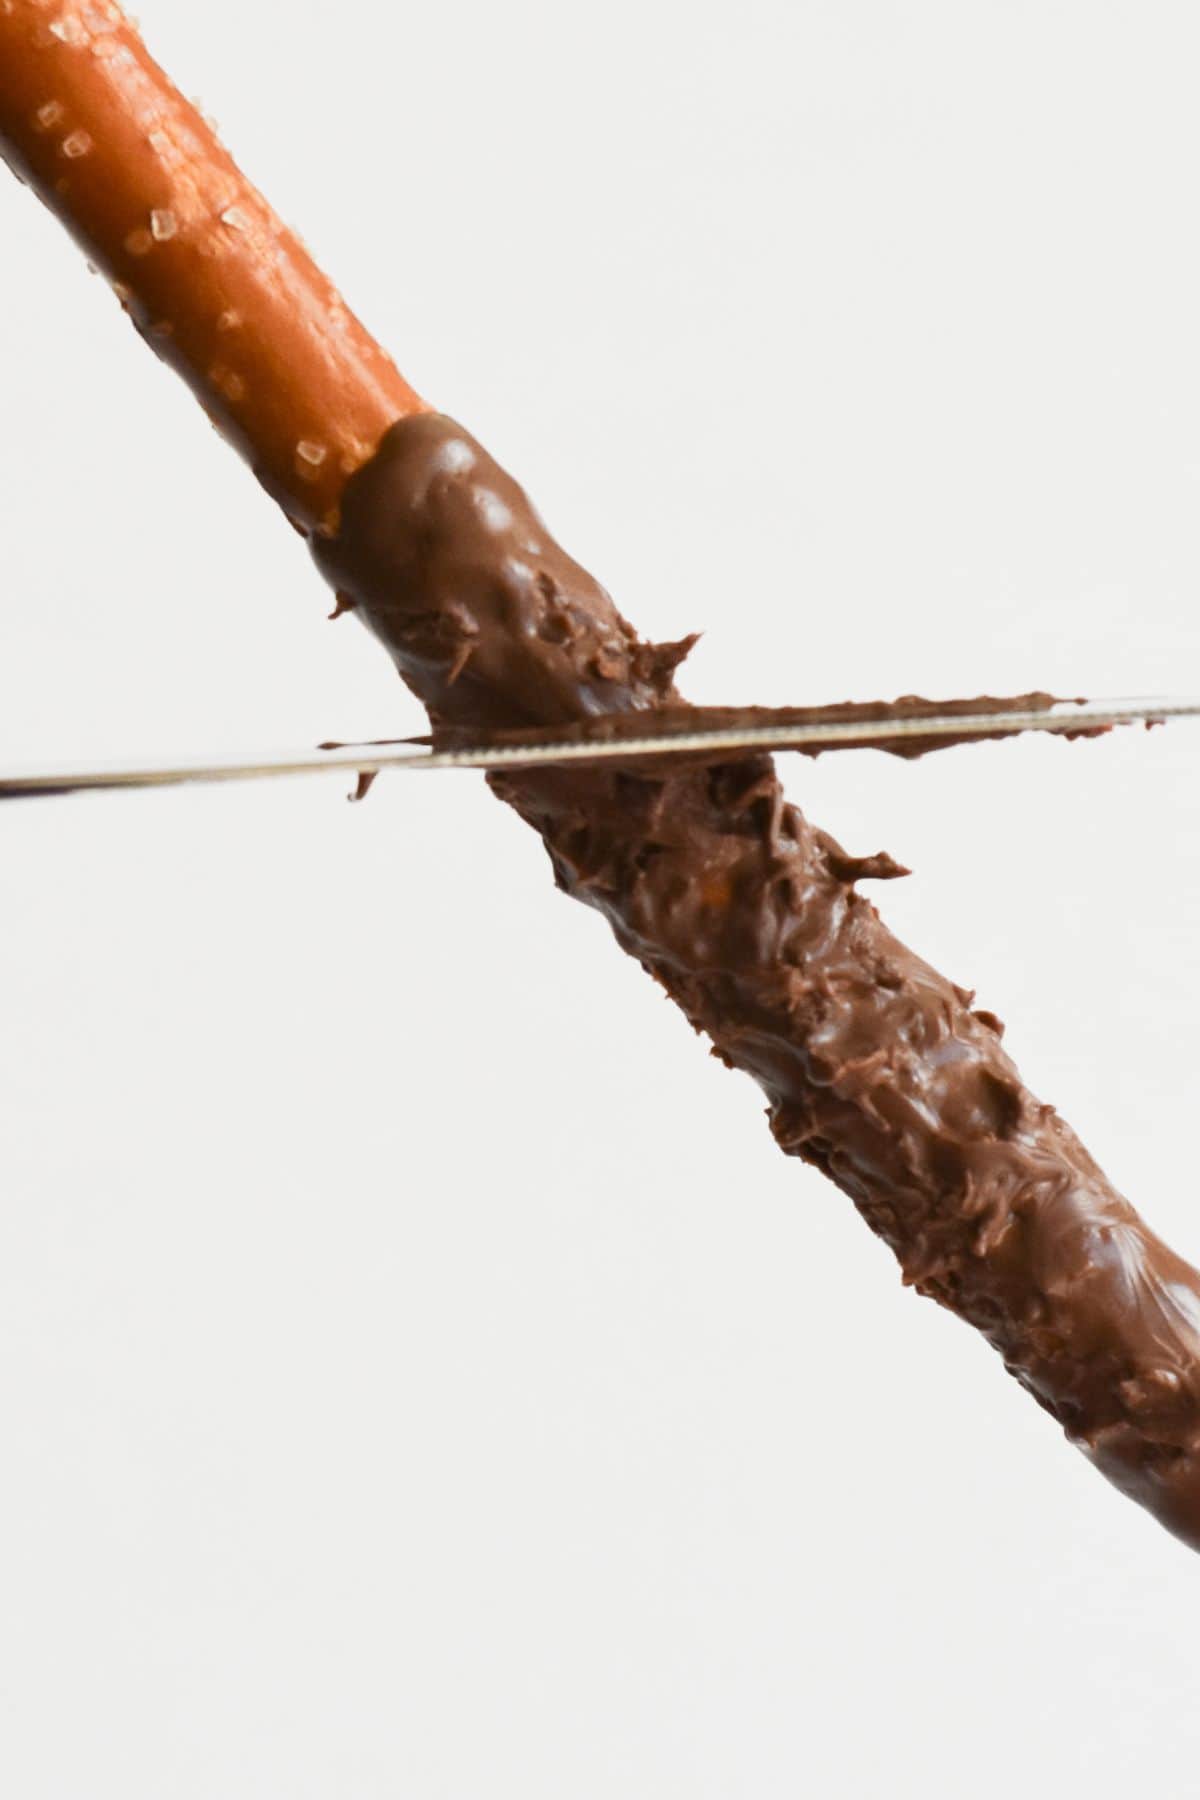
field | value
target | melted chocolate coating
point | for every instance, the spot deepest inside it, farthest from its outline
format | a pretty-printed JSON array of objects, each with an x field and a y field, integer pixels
[{"x": 876, "y": 1068}]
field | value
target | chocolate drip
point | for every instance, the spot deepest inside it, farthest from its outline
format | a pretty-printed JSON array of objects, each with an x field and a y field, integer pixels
[{"x": 876, "y": 1068}]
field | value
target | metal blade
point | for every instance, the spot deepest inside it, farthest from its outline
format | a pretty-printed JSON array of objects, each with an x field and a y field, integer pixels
[{"x": 640, "y": 737}]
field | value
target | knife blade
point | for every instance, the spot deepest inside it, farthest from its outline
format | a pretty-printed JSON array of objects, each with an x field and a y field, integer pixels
[{"x": 907, "y": 727}]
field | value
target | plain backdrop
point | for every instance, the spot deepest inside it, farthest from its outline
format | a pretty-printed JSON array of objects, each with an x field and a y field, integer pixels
[{"x": 420, "y": 1375}]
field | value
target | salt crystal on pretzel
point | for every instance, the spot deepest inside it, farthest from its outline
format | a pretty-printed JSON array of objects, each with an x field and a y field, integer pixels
[{"x": 216, "y": 284}]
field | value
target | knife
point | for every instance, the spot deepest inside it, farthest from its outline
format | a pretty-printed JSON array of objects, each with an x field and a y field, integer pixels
[{"x": 906, "y": 727}]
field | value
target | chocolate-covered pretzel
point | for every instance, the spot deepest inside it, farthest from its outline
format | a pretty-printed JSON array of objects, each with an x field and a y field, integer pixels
[{"x": 877, "y": 1070}]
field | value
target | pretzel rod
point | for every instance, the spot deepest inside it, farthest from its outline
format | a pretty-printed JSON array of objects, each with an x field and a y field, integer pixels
[
  {"x": 212, "y": 279},
  {"x": 877, "y": 1070}
]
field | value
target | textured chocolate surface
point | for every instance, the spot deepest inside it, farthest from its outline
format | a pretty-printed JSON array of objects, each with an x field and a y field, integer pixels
[{"x": 876, "y": 1068}]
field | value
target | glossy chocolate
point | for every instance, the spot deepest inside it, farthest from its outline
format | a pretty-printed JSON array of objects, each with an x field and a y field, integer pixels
[{"x": 877, "y": 1070}]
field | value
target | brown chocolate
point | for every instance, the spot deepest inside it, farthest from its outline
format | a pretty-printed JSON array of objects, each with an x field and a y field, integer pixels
[
  {"x": 673, "y": 721},
  {"x": 677, "y": 719},
  {"x": 876, "y": 1068}
]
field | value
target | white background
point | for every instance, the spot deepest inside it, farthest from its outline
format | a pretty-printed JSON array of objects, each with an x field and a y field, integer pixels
[{"x": 419, "y": 1373}]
